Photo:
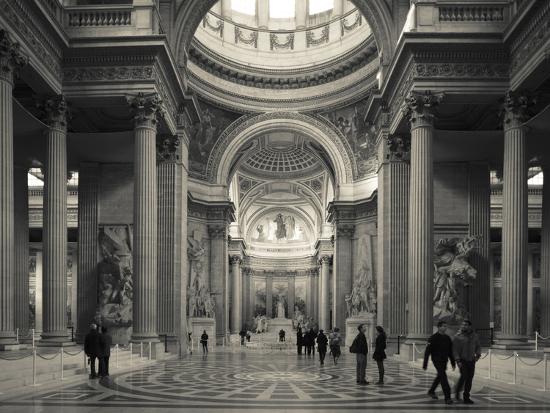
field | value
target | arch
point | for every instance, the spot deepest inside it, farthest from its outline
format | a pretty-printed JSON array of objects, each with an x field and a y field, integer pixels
[
  {"x": 376, "y": 12},
  {"x": 315, "y": 128}
]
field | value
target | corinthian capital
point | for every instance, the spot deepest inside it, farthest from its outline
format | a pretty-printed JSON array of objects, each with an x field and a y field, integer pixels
[
  {"x": 11, "y": 58},
  {"x": 167, "y": 149},
  {"x": 147, "y": 109},
  {"x": 325, "y": 259},
  {"x": 516, "y": 108},
  {"x": 399, "y": 147},
  {"x": 419, "y": 107},
  {"x": 235, "y": 259},
  {"x": 54, "y": 112}
]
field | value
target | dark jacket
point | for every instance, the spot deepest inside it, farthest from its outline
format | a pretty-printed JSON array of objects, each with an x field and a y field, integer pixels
[
  {"x": 322, "y": 342},
  {"x": 359, "y": 345},
  {"x": 309, "y": 338},
  {"x": 105, "y": 341},
  {"x": 92, "y": 345},
  {"x": 299, "y": 338},
  {"x": 440, "y": 348},
  {"x": 379, "y": 347},
  {"x": 466, "y": 347},
  {"x": 204, "y": 338}
]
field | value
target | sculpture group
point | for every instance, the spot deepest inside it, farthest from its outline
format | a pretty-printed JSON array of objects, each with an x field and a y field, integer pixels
[
  {"x": 200, "y": 301},
  {"x": 362, "y": 299}
]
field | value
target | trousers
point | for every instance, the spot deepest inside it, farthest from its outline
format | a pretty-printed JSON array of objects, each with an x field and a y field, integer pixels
[
  {"x": 441, "y": 378},
  {"x": 467, "y": 371},
  {"x": 361, "y": 367}
]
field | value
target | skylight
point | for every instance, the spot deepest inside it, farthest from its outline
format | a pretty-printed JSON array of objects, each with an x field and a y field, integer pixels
[
  {"x": 244, "y": 6},
  {"x": 319, "y": 6},
  {"x": 282, "y": 9}
]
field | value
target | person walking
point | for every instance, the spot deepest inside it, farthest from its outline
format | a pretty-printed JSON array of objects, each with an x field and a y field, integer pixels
[
  {"x": 312, "y": 337},
  {"x": 466, "y": 351},
  {"x": 335, "y": 341},
  {"x": 440, "y": 348},
  {"x": 92, "y": 348},
  {"x": 204, "y": 342},
  {"x": 322, "y": 342},
  {"x": 308, "y": 341},
  {"x": 106, "y": 342},
  {"x": 361, "y": 349},
  {"x": 379, "y": 353},
  {"x": 299, "y": 340}
]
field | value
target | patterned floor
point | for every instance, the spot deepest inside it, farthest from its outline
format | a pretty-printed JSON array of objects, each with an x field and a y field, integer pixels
[{"x": 262, "y": 382}]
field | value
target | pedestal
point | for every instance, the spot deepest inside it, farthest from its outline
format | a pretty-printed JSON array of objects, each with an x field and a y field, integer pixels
[
  {"x": 351, "y": 328},
  {"x": 198, "y": 325},
  {"x": 275, "y": 325}
]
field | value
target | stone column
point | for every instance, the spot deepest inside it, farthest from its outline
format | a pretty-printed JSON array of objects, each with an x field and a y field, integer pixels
[
  {"x": 545, "y": 254},
  {"x": 480, "y": 226},
  {"x": 514, "y": 225},
  {"x": 393, "y": 220},
  {"x": 302, "y": 10},
  {"x": 146, "y": 110},
  {"x": 338, "y": 9},
  {"x": 343, "y": 278},
  {"x": 291, "y": 296},
  {"x": 21, "y": 201},
  {"x": 236, "y": 316},
  {"x": 218, "y": 275},
  {"x": 10, "y": 60},
  {"x": 55, "y": 225},
  {"x": 263, "y": 13},
  {"x": 421, "y": 205},
  {"x": 324, "y": 321},
  {"x": 227, "y": 11},
  {"x": 88, "y": 213},
  {"x": 38, "y": 303},
  {"x": 172, "y": 247},
  {"x": 245, "y": 289},
  {"x": 269, "y": 297}
]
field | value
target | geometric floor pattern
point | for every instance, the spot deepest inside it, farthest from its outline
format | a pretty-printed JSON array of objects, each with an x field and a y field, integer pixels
[{"x": 263, "y": 382}]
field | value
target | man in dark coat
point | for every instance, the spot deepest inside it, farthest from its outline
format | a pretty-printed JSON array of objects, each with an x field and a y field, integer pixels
[
  {"x": 105, "y": 342},
  {"x": 467, "y": 351},
  {"x": 322, "y": 342},
  {"x": 299, "y": 340},
  {"x": 440, "y": 348},
  {"x": 92, "y": 348},
  {"x": 361, "y": 349}
]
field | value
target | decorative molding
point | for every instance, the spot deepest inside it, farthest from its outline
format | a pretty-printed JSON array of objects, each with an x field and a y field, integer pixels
[
  {"x": 312, "y": 41},
  {"x": 146, "y": 108},
  {"x": 218, "y": 28},
  {"x": 168, "y": 149},
  {"x": 275, "y": 44},
  {"x": 11, "y": 58},
  {"x": 461, "y": 70},
  {"x": 345, "y": 230},
  {"x": 104, "y": 17},
  {"x": 470, "y": 13},
  {"x": 345, "y": 27},
  {"x": 106, "y": 73},
  {"x": 252, "y": 40}
]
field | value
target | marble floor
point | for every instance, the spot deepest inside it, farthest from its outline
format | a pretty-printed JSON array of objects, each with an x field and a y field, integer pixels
[{"x": 228, "y": 381}]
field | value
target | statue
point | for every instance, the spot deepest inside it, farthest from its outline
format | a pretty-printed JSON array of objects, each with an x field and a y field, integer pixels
[
  {"x": 362, "y": 299},
  {"x": 200, "y": 301},
  {"x": 281, "y": 307},
  {"x": 452, "y": 272},
  {"x": 280, "y": 232},
  {"x": 298, "y": 317},
  {"x": 210, "y": 306}
]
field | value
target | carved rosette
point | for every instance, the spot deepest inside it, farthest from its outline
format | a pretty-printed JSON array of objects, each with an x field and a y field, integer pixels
[
  {"x": 235, "y": 260},
  {"x": 147, "y": 109},
  {"x": 516, "y": 109},
  {"x": 167, "y": 149},
  {"x": 399, "y": 147},
  {"x": 55, "y": 112},
  {"x": 11, "y": 58},
  {"x": 419, "y": 107}
]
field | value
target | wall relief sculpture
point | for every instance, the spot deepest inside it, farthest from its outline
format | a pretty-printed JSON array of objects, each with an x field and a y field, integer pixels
[
  {"x": 362, "y": 299},
  {"x": 201, "y": 302},
  {"x": 115, "y": 276},
  {"x": 452, "y": 272}
]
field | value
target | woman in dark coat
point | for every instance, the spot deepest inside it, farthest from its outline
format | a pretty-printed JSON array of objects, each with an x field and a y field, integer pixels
[
  {"x": 379, "y": 354},
  {"x": 299, "y": 340}
]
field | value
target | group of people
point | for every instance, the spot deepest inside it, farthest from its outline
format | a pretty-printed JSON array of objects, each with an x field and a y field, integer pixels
[
  {"x": 462, "y": 351},
  {"x": 361, "y": 349},
  {"x": 97, "y": 346}
]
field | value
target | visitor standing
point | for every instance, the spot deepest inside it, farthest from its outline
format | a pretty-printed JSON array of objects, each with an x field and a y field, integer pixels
[
  {"x": 361, "y": 349},
  {"x": 204, "y": 342},
  {"x": 322, "y": 342},
  {"x": 466, "y": 351},
  {"x": 440, "y": 348},
  {"x": 242, "y": 335},
  {"x": 92, "y": 348},
  {"x": 299, "y": 340},
  {"x": 379, "y": 352},
  {"x": 335, "y": 341},
  {"x": 105, "y": 342},
  {"x": 308, "y": 341},
  {"x": 312, "y": 336}
]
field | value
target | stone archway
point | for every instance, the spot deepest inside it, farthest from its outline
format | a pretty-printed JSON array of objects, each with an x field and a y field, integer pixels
[
  {"x": 377, "y": 13},
  {"x": 316, "y": 128}
]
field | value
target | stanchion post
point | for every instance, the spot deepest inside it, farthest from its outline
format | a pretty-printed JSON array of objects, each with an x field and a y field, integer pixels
[
  {"x": 116, "y": 356},
  {"x": 131, "y": 353},
  {"x": 515, "y": 367},
  {"x": 536, "y": 341},
  {"x": 32, "y": 332},
  {"x": 150, "y": 350},
  {"x": 490, "y": 355},
  {"x": 545, "y": 381},
  {"x": 414, "y": 353},
  {"x": 61, "y": 362},
  {"x": 34, "y": 366},
  {"x": 141, "y": 351},
  {"x": 17, "y": 335}
]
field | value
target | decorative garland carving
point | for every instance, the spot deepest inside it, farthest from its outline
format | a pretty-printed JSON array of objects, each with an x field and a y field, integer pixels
[
  {"x": 461, "y": 70},
  {"x": 218, "y": 28},
  {"x": 252, "y": 40},
  {"x": 79, "y": 74},
  {"x": 234, "y": 130},
  {"x": 275, "y": 44},
  {"x": 312, "y": 41},
  {"x": 345, "y": 27}
]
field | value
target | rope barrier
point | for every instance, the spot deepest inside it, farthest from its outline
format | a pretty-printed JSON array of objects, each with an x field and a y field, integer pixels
[
  {"x": 505, "y": 358},
  {"x": 72, "y": 354},
  {"x": 541, "y": 337},
  {"x": 529, "y": 364},
  {"x": 46, "y": 358},
  {"x": 484, "y": 356}
]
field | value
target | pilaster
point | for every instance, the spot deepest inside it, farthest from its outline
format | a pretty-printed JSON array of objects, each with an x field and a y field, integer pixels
[
  {"x": 545, "y": 254},
  {"x": 236, "y": 299},
  {"x": 21, "y": 202}
]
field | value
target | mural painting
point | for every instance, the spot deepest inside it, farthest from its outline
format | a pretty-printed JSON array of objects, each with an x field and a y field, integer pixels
[
  {"x": 260, "y": 297},
  {"x": 280, "y": 228}
]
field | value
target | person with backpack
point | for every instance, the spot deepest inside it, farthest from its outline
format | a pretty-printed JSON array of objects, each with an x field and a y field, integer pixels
[
  {"x": 360, "y": 348},
  {"x": 335, "y": 341},
  {"x": 379, "y": 353},
  {"x": 322, "y": 342}
]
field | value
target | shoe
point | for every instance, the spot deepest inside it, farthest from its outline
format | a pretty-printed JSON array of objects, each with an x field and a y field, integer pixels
[
  {"x": 448, "y": 401},
  {"x": 457, "y": 397},
  {"x": 433, "y": 395},
  {"x": 380, "y": 382},
  {"x": 93, "y": 376},
  {"x": 468, "y": 401}
]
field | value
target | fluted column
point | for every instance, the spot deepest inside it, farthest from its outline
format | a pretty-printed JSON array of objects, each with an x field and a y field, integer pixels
[
  {"x": 10, "y": 60},
  {"x": 301, "y": 9},
  {"x": 263, "y": 13},
  {"x": 146, "y": 110},
  {"x": 421, "y": 204},
  {"x": 291, "y": 296},
  {"x": 393, "y": 220},
  {"x": 324, "y": 321},
  {"x": 88, "y": 212},
  {"x": 236, "y": 316},
  {"x": 514, "y": 224},
  {"x": 545, "y": 254},
  {"x": 21, "y": 250},
  {"x": 219, "y": 284},
  {"x": 480, "y": 226},
  {"x": 343, "y": 278},
  {"x": 55, "y": 224},
  {"x": 269, "y": 297}
]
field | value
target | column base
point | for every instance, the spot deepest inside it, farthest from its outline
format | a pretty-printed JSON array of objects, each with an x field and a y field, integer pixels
[
  {"x": 12, "y": 347},
  {"x": 511, "y": 343},
  {"x": 54, "y": 339}
]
